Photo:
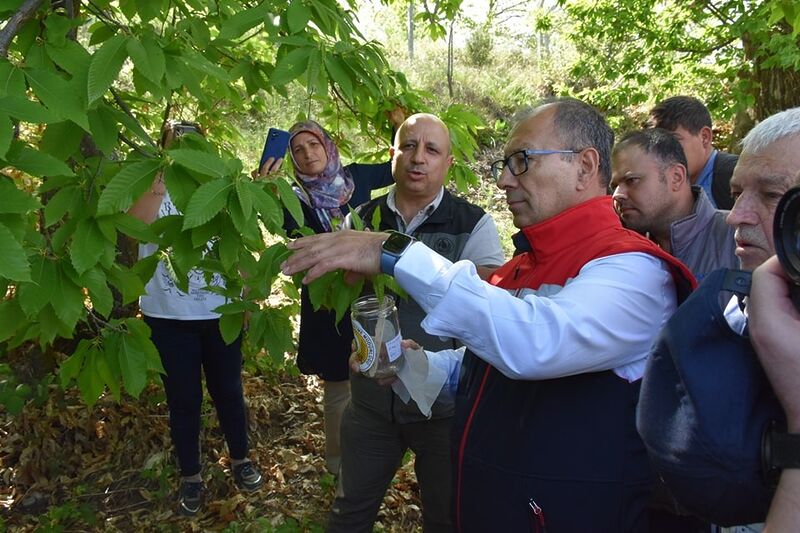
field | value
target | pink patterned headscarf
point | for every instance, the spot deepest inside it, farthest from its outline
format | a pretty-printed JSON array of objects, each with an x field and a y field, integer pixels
[{"x": 331, "y": 189}]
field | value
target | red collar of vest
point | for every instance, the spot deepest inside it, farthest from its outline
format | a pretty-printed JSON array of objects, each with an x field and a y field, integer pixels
[
  {"x": 571, "y": 227},
  {"x": 563, "y": 244}
]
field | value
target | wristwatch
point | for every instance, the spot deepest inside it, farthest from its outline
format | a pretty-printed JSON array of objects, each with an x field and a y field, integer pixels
[
  {"x": 392, "y": 249},
  {"x": 779, "y": 450}
]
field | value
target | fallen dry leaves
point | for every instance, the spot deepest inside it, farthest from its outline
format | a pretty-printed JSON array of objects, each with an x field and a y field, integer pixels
[{"x": 110, "y": 468}]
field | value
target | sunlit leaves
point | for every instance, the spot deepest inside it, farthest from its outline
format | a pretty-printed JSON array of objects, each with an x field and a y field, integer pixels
[
  {"x": 206, "y": 202},
  {"x": 242, "y": 21},
  {"x": 105, "y": 66},
  {"x": 202, "y": 162},
  {"x": 35, "y": 162},
  {"x": 290, "y": 66},
  {"x": 14, "y": 265}
]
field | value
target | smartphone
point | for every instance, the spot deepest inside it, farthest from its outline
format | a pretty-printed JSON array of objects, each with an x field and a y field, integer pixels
[{"x": 275, "y": 146}]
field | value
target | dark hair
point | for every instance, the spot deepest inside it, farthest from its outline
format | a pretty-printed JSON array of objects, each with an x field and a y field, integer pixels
[
  {"x": 581, "y": 126},
  {"x": 680, "y": 111},
  {"x": 655, "y": 141}
]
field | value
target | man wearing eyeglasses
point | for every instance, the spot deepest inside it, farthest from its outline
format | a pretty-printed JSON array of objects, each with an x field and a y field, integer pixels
[{"x": 556, "y": 340}]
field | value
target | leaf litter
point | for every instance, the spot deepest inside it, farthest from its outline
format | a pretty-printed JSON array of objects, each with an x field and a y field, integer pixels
[{"x": 65, "y": 467}]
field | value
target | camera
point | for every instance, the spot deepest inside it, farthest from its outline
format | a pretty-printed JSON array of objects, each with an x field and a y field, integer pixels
[
  {"x": 182, "y": 128},
  {"x": 786, "y": 232}
]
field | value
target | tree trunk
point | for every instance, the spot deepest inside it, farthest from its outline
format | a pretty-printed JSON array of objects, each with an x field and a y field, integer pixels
[
  {"x": 774, "y": 89},
  {"x": 450, "y": 61}
]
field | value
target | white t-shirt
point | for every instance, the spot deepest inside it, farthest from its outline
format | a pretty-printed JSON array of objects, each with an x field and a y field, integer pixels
[{"x": 163, "y": 299}]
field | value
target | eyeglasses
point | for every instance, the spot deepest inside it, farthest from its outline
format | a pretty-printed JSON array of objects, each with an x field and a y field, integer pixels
[{"x": 517, "y": 162}]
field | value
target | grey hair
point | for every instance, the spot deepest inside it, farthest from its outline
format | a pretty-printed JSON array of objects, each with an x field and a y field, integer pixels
[
  {"x": 772, "y": 129},
  {"x": 581, "y": 126}
]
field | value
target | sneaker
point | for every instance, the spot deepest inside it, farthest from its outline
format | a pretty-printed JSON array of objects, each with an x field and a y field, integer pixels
[
  {"x": 191, "y": 498},
  {"x": 247, "y": 477}
]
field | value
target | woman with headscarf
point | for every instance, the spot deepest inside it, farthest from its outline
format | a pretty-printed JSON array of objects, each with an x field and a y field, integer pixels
[{"x": 327, "y": 191}]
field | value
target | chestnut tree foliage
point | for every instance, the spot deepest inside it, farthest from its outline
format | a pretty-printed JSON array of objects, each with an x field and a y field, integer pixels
[
  {"x": 738, "y": 55},
  {"x": 85, "y": 87}
]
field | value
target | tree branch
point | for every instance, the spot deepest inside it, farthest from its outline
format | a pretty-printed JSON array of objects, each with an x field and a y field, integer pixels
[{"x": 10, "y": 30}]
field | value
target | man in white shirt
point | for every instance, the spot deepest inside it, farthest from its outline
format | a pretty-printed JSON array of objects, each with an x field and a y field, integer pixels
[{"x": 545, "y": 412}]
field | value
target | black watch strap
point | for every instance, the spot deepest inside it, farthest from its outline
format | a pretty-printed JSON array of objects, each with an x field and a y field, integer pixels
[{"x": 785, "y": 450}]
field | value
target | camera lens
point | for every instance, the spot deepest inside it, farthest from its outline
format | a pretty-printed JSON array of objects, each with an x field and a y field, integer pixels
[{"x": 786, "y": 231}]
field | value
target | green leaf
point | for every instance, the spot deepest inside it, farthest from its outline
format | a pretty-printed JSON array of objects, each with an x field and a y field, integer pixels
[
  {"x": 104, "y": 128},
  {"x": 67, "y": 299},
  {"x": 198, "y": 161},
  {"x": 35, "y": 295},
  {"x": 61, "y": 139},
  {"x": 297, "y": 16},
  {"x": 71, "y": 367},
  {"x": 133, "y": 364},
  {"x": 230, "y": 242},
  {"x": 94, "y": 279},
  {"x": 149, "y": 9},
  {"x": 12, "y": 318},
  {"x": 105, "y": 66},
  {"x": 206, "y": 202},
  {"x": 12, "y": 81},
  {"x": 6, "y": 133},
  {"x": 290, "y": 67},
  {"x": 14, "y": 265},
  {"x": 230, "y": 326},
  {"x": 203, "y": 65},
  {"x": 180, "y": 184},
  {"x": 71, "y": 57},
  {"x": 126, "y": 282},
  {"x": 140, "y": 335},
  {"x": 290, "y": 201},
  {"x": 21, "y": 108},
  {"x": 129, "y": 182},
  {"x": 155, "y": 56},
  {"x": 36, "y": 163},
  {"x": 265, "y": 204},
  {"x": 141, "y": 60},
  {"x": 59, "y": 95},
  {"x": 245, "y": 199},
  {"x": 338, "y": 71},
  {"x": 60, "y": 204},
  {"x": 90, "y": 382},
  {"x": 14, "y": 200},
  {"x": 235, "y": 26},
  {"x": 88, "y": 244},
  {"x": 135, "y": 228}
]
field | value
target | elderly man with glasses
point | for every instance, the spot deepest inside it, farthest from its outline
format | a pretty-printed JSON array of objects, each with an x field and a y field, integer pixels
[{"x": 556, "y": 339}]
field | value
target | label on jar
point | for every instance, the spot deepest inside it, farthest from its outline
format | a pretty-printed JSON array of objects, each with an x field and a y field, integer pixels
[
  {"x": 365, "y": 348},
  {"x": 393, "y": 348}
]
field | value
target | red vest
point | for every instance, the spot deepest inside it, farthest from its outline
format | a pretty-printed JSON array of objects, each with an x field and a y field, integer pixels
[{"x": 563, "y": 244}]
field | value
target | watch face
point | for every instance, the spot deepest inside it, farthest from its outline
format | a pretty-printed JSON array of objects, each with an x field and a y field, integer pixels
[{"x": 397, "y": 243}]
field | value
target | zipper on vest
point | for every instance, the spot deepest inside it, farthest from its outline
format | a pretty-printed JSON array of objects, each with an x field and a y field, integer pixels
[{"x": 536, "y": 517}]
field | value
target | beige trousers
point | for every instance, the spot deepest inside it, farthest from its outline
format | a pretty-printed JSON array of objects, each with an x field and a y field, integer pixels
[{"x": 335, "y": 395}]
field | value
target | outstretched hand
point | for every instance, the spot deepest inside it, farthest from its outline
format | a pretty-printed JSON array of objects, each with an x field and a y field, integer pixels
[{"x": 354, "y": 251}]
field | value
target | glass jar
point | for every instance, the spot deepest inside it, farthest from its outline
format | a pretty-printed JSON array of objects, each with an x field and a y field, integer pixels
[{"x": 377, "y": 334}]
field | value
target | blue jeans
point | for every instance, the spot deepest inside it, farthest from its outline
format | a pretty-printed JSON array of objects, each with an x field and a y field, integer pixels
[{"x": 186, "y": 347}]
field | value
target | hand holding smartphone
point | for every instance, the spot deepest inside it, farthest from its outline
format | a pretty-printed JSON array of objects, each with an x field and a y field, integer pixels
[{"x": 274, "y": 147}]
